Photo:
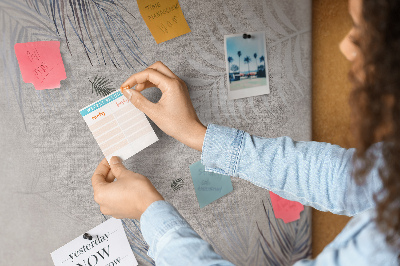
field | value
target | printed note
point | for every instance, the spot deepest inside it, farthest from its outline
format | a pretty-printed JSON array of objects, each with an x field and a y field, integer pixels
[
  {"x": 41, "y": 63},
  {"x": 118, "y": 126},
  {"x": 284, "y": 209},
  {"x": 164, "y": 18},
  {"x": 108, "y": 246},
  {"x": 209, "y": 186}
]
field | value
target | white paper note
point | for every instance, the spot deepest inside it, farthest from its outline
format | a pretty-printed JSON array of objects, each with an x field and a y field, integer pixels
[
  {"x": 118, "y": 126},
  {"x": 108, "y": 247}
]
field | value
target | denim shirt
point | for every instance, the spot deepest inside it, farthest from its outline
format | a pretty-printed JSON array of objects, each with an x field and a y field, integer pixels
[{"x": 312, "y": 173}]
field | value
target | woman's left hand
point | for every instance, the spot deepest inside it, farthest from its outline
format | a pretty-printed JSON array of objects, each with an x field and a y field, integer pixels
[{"x": 128, "y": 197}]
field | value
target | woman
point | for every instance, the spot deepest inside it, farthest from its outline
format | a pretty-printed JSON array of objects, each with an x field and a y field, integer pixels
[{"x": 316, "y": 174}]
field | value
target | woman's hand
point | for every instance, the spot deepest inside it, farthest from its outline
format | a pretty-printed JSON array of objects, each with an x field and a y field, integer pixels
[
  {"x": 174, "y": 112},
  {"x": 127, "y": 197}
]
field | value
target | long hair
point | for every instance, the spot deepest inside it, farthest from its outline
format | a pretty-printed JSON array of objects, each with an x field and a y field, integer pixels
[{"x": 375, "y": 103}]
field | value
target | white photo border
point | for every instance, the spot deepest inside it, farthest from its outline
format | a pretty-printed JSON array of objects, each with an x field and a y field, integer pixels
[{"x": 247, "y": 92}]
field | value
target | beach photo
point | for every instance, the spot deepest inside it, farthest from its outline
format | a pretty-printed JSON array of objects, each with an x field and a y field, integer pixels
[{"x": 246, "y": 65}]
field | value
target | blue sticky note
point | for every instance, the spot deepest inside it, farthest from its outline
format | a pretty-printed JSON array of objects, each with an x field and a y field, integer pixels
[{"x": 209, "y": 186}]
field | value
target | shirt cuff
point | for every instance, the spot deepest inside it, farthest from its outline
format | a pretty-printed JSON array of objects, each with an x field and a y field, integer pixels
[
  {"x": 222, "y": 148},
  {"x": 159, "y": 218}
]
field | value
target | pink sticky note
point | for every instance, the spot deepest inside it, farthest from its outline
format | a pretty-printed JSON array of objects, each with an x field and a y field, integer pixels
[
  {"x": 41, "y": 63},
  {"x": 284, "y": 209}
]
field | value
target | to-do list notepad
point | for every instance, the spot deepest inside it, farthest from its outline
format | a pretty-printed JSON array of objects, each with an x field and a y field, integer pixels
[{"x": 118, "y": 126}]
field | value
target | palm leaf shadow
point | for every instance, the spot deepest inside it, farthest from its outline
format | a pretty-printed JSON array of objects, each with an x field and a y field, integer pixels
[
  {"x": 282, "y": 16},
  {"x": 100, "y": 27},
  {"x": 292, "y": 247},
  {"x": 135, "y": 239},
  {"x": 19, "y": 24},
  {"x": 289, "y": 67},
  {"x": 101, "y": 86},
  {"x": 281, "y": 31},
  {"x": 265, "y": 241}
]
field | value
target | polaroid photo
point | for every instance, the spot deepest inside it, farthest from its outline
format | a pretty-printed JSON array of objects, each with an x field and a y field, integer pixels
[{"x": 246, "y": 65}]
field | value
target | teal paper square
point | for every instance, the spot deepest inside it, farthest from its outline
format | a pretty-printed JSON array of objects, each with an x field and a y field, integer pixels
[{"x": 209, "y": 186}]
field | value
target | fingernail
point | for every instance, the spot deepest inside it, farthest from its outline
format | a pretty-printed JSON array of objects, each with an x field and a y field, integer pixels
[
  {"x": 124, "y": 88},
  {"x": 129, "y": 93},
  {"x": 115, "y": 160}
]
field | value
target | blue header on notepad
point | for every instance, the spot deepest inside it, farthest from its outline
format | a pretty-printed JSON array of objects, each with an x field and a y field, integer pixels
[{"x": 100, "y": 103}]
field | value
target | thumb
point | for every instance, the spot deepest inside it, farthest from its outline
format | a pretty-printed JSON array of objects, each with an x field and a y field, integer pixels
[
  {"x": 117, "y": 167},
  {"x": 138, "y": 100}
]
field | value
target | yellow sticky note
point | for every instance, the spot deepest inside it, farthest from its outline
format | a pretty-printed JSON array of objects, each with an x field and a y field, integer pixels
[{"x": 164, "y": 19}]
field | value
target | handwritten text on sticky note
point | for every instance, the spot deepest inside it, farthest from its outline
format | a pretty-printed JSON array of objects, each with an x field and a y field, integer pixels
[
  {"x": 209, "y": 186},
  {"x": 164, "y": 18},
  {"x": 284, "y": 209},
  {"x": 41, "y": 63}
]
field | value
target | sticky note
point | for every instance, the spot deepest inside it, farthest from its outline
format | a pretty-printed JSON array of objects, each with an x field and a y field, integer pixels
[
  {"x": 41, "y": 63},
  {"x": 164, "y": 18},
  {"x": 118, "y": 126},
  {"x": 108, "y": 246},
  {"x": 209, "y": 186},
  {"x": 284, "y": 209}
]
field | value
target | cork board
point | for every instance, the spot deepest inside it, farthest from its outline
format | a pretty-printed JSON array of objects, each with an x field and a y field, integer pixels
[{"x": 331, "y": 89}]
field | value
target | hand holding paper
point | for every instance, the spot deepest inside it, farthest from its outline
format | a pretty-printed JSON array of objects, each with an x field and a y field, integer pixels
[
  {"x": 119, "y": 128},
  {"x": 174, "y": 113},
  {"x": 127, "y": 197}
]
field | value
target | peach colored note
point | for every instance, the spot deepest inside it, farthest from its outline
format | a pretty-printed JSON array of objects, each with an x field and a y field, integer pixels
[
  {"x": 41, "y": 63},
  {"x": 284, "y": 209}
]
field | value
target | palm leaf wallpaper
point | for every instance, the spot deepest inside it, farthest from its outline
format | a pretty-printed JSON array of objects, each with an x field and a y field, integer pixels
[
  {"x": 261, "y": 239},
  {"x": 101, "y": 85},
  {"x": 100, "y": 26},
  {"x": 283, "y": 40},
  {"x": 264, "y": 240},
  {"x": 16, "y": 30},
  {"x": 103, "y": 42},
  {"x": 135, "y": 238}
]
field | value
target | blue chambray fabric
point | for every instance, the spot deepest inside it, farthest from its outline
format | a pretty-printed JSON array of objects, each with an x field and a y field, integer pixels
[{"x": 312, "y": 173}]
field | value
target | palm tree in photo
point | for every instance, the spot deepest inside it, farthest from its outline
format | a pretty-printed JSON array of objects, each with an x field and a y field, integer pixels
[
  {"x": 255, "y": 58},
  {"x": 234, "y": 68},
  {"x": 262, "y": 59},
  {"x": 247, "y": 61},
  {"x": 230, "y": 60},
  {"x": 239, "y": 55}
]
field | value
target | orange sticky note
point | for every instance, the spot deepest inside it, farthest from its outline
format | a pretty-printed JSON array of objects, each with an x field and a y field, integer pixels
[
  {"x": 164, "y": 18},
  {"x": 284, "y": 209},
  {"x": 41, "y": 63}
]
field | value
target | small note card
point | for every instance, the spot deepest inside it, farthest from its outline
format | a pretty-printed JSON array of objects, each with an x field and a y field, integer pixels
[
  {"x": 118, "y": 126},
  {"x": 41, "y": 63},
  {"x": 108, "y": 247},
  {"x": 284, "y": 209},
  {"x": 164, "y": 18},
  {"x": 209, "y": 186}
]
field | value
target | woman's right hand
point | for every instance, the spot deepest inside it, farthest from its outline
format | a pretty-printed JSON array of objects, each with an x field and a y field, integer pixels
[{"x": 173, "y": 113}]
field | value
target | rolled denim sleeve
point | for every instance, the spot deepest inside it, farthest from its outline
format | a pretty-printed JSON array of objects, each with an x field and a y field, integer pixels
[
  {"x": 313, "y": 173},
  {"x": 172, "y": 240}
]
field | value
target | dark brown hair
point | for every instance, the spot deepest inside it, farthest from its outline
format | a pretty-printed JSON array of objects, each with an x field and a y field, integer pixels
[{"x": 375, "y": 101}]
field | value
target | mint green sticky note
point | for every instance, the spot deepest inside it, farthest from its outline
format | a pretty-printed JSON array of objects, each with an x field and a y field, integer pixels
[{"x": 209, "y": 186}]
